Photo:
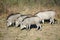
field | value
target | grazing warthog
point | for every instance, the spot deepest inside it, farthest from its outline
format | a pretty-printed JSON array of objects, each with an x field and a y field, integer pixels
[
  {"x": 46, "y": 15},
  {"x": 19, "y": 20},
  {"x": 11, "y": 19},
  {"x": 29, "y": 21}
]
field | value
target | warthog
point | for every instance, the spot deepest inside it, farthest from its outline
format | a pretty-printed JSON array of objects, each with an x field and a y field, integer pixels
[
  {"x": 46, "y": 15},
  {"x": 29, "y": 21},
  {"x": 19, "y": 20},
  {"x": 11, "y": 19}
]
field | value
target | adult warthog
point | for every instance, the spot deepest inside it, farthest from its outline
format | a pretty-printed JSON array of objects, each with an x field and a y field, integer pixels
[
  {"x": 11, "y": 19},
  {"x": 45, "y": 15},
  {"x": 29, "y": 21}
]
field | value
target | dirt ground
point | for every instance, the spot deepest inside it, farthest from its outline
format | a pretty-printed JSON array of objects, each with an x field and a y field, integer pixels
[{"x": 48, "y": 32}]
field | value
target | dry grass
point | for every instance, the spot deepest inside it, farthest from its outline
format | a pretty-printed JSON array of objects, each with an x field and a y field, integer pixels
[
  {"x": 32, "y": 9},
  {"x": 49, "y": 32}
]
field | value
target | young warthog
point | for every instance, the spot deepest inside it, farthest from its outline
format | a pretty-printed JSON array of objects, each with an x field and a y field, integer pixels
[
  {"x": 46, "y": 15},
  {"x": 12, "y": 19},
  {"x": 32, "y": 20}
]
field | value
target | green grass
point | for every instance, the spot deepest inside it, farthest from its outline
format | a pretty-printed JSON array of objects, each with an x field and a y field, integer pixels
[
  {"x": 38, "y": 38},
  {"x": 1, "y": 35},
  {"x": 58, "y": 39}
]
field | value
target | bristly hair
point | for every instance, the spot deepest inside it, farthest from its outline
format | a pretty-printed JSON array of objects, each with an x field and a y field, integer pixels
[
  {"x": 25, "y": 18},
  {"x": 12, "y": 14},
  {"x": 42, "y": 11}
]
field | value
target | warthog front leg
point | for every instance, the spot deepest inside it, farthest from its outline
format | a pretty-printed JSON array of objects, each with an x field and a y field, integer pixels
[
  {"x": 43, "y": 21},
  {"x": 26, "y": 27},
  {"x": 29, "y": 26}
]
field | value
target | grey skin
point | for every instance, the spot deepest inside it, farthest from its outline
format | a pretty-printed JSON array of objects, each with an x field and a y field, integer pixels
[
  {"x": 32, "y": 20},
  {"x": 12, "y": 19},
  {"x": 45, "y": 15},
  {"x": 19, "y": 20}
]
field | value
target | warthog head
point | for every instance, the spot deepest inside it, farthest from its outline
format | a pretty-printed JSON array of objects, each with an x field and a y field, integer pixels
[
  {"x": 9, "y": 23},
  {"x": 23, "y": 26}
]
